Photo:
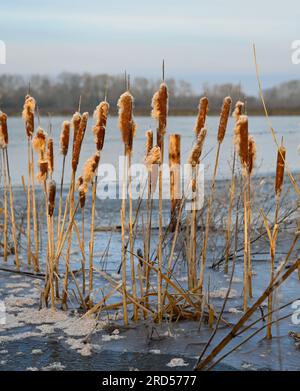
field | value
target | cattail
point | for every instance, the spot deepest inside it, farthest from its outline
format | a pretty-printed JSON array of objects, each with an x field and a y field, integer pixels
[
  {"x": 28, "y": 114},
  {"x": 252, "y": 153},
  {"x": 126, "y": 122},
  {"x": 3, "y": 130},
  {"x": 90, "y": 168},
  {"x": 238, "y": 110},
  {"x": 197, "y": 150},
  {"x": 174, "y": 164},
  {"x": 79, "y": 182},
  {"x": 100, "y": 116},
  {"x": 153, "y": 157},
  {"x": 65, "y": 138},
  {"x": 43, "y": 170},
  {"x": 224, "y": 118},
  {"x": 39, "y": 141},
  {"x": 79, "y": 132},
  {"x": 202, "y": 112},
  {"x": 50, "y": 155},
  {"x": 149, "y": 141},
  {"x": 160, "y": 107},
  {"x": 51, "y": 197},
  {"x": 280, "y": 169},
  {"x": 82, "y": 190},
  {"x": 174, "y": 149},
  {"x": 241, "y": 139}
]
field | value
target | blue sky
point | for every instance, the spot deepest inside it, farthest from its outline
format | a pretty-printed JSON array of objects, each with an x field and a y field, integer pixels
[{"x": 200, "y": 40}]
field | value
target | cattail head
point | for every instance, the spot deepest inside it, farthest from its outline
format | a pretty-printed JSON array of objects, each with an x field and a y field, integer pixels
[
  {"x": 50, "y": 155},
  {"x": 79, "y": 182},
  {"x": 39, "y": 141},
  {"x": 174, "y": 149},
  {"x": 280, "y": 169},
  {"x": 28, "y": 114},
  {"x": 224, "y": 118},
  {"x": 238, "y": 110},
  {"x": 252, "y": 153},
  {"x": 160, "y": 107},
  {"x": 90, "y": 168},
  {"x": 153, "y": 157},
  {"x": 126, "y": 122},
  {"x": 51, "y": 197},
  {"x": 3, "y": 130},
  {"x": 79, "y": 132},
  {"x": 65, "y": 138},
  {"x": 197, "y": 149},
  {"x": 43, "y": 170},
  {"x": 100, "y": 116},
  {"x": 82, "y": 190},
  {"x": 241, "y": 139},
  {"x": 149, "y": 142},
  {"x": 202, "y": 112}
]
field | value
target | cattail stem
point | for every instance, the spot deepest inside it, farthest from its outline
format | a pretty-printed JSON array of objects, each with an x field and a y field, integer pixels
[
  {"x": 12, "y": 213},
  {"x": 246, "y": 245},
  {"x": 29, "y": 203},
  {"x": 60, "y": 196},
  {"x": 92, "y": 234},
  {"x": 160, "y": 232},
  {"x": 192, "y": 279},
  {"x": 5, "y": 212},
  {"x": 133, "y": 279},
  {"x": 123, "y": 214},
  {"x": 34, "y": 216}
]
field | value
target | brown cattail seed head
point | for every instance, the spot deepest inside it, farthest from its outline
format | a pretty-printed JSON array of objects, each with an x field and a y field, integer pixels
[
  {"x": 65, "y": 138},
  {"x": 82, "y": 190},
  {"x": 202, "y": 112},
  {"x": 79, "y": 132},
  {"x": 100, "y": 116},
  {"x": 197, "y": 149},
  {"x": 90, "y": 168},
  {"x": 252, "y": 153},
  {"x": 3, "y": 130},
  {"x": 153, "y": 157},
  {"x": 280, "y": 169},
  {"x": 79, "y": 182},
  {"x": 50, "y": 155},
  {"x": 149, "y": 141},
  {"x": 51, "y": 197},
  {"x": 28, "y": 114},
  {"x": 43, "y": 170},
  {"x": 160, "y": 107},
  {"x": 174, "y": 149},
  {"x": 39, "y": 141},
  {"x": 126, "y": 122},
  {"x": 238, "y": 110},
  {"x": 241, "y": 139},
  {"x": 224, "y": 118}
]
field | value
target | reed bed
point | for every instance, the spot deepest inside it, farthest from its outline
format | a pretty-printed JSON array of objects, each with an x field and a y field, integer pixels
[{"x": 168, "y": 300}]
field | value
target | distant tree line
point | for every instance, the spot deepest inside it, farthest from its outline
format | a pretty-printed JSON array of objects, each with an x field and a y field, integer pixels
[{"x": 60, "y": 95}]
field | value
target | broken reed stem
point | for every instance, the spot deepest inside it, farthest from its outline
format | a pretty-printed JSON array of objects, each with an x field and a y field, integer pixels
[
  {"x": 123, "y": 214},
  {"x": 131, "y": 242},
  {"x": 5, "y": 211},
  {"x": 12, "y": 213}
]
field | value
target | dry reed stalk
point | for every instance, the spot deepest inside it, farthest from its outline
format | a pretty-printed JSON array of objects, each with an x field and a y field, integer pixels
[
  {"x": 64, "y": 147},
  {"x": 280, "y": 165},
  {"x": 174, "y": 165},
  {"x": 221, "y": 134},
  {"x": 5, "y": 211},
  {"x": 202, "y": 112},
  {"x": 160, "y": 113},
  {"x": 28, "y": 117},
  {"x": 4, "y": 146},
  {"x": 51, "y": 203},
  {"x": 241, "y": 141}
]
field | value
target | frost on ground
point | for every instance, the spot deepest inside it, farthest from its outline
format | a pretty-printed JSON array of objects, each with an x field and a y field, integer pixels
[{"x": 177, "y": 362}]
